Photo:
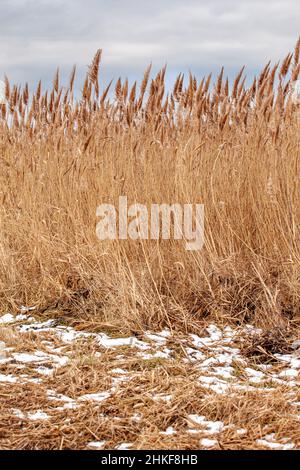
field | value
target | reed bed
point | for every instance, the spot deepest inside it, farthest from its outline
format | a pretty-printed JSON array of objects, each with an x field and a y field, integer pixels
[{"x": 235, "y": 148}]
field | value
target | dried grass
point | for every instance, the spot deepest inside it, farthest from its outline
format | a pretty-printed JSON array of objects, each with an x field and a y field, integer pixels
[
  {"x": 133, "y": 414},
  {"x": 235, "y": 150},
  {"x": 263, "y": 346}
]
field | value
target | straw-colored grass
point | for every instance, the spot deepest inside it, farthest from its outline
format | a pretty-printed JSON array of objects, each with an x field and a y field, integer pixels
[
  {"x": 234, "y": 149},
  {"x": 144, "y": 394}
]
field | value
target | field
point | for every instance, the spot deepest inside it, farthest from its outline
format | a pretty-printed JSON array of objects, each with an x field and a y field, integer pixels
[{"x": 167, "y": 348}]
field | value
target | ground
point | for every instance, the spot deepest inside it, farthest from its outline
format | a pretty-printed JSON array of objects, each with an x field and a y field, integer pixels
[{"x": 66, "y": 388}]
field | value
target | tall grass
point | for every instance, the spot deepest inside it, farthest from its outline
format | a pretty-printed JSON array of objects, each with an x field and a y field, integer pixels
[{"x": 234, "y": 149}]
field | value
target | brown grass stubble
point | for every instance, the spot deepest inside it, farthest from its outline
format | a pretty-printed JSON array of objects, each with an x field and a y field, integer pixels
[{"x": 234, "y": 149}]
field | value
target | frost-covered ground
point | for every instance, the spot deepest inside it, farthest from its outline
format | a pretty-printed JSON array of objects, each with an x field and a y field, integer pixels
[{"x": 65, "y": 388}]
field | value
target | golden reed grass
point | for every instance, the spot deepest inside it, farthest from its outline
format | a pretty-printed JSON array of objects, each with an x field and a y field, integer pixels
[{"x": 236, "y": 149}]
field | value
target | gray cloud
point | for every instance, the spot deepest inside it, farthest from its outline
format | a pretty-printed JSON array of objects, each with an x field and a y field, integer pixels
[{"x": 38, "y": 35}]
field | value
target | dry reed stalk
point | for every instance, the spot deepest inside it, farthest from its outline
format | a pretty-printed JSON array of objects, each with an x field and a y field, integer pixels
[{"x": 200, "y": 143}]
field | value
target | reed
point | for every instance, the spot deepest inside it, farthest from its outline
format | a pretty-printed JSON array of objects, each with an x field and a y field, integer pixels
[{"x": 233, "y": 148}]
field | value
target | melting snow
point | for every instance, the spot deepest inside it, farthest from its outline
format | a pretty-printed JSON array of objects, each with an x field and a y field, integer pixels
[
  {"x": 38, "y": 415},
  {"x": 211, "y": 427},
  {"x": 241, "y": 431},
  {"x": 27, "y": 309},
  {"x": 95, "y": 396},
  {"x": 97, "y": 444},
  {"x": 7, "y": 318},
  {"x": 169, "y": 431},
  {"x": 155, "y": 338},
  {"x": 119, "y": 371},
  {"x": 8, "y": 378},
  {"x": 208, "y": 442},
  {"x": 274, "y": 445},
  {"x": 124, "y": 446},
  {"x": 18, "y": 413}
]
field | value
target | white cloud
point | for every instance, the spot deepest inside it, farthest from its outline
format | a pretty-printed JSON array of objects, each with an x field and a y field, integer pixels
[{"x": 37, "y": 35}]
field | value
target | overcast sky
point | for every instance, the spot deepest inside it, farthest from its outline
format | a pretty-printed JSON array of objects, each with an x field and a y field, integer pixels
[{"x": 197, "y": 35}]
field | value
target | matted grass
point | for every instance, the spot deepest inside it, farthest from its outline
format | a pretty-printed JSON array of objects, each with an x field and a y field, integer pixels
[{"x": 61, "y": 390}]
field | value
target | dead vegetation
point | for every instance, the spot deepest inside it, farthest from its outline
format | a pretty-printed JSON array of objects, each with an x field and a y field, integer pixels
[
  {"x": 263, "y": 346},
  {"x": 232, "y": 147},
  {"x": 203, "y": 395}
]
